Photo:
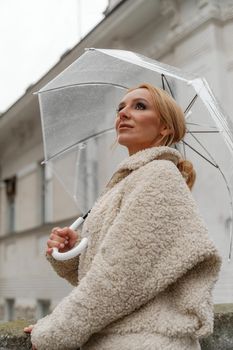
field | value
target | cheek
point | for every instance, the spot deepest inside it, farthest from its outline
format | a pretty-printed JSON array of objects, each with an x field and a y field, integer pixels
[{"x": 149, "y": 124}]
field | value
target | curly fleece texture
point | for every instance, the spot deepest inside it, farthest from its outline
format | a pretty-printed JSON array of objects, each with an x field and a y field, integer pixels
[{"x": 146, "y": 278}]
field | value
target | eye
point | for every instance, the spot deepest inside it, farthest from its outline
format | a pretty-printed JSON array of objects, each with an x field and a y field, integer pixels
[
  {"x": 119, "y": 109},
  {"x": 140, "y": 106}
]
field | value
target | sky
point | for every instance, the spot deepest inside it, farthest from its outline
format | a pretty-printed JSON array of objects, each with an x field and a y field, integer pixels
[{"x": 33, "y": 36}]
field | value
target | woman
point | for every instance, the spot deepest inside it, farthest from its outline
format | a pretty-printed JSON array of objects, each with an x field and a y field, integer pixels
[{"x": 146, "y": 278}]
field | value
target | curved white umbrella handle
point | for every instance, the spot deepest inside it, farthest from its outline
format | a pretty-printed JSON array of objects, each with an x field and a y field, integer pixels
[{"x": 76, "y": 250}]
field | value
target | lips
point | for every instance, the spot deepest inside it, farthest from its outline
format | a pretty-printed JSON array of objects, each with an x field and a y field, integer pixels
[{"x": 123, "y": 125}]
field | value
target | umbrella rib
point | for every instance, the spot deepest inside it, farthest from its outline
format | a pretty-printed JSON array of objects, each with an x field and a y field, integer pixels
[
  {"x": 202, "y": 132},
  {"x": 184, "y": 150},
  {"x": 226, "y": 183},
  {"x": 202, "y": 125},
  {"x": 215, "y": 165},
  {"x": 81, "y": 84},
  {"x": 163, "y": 77},
  {"x": 199, "y": 142},
  {"x": 80, "y": 141},
  {"x": 231, "y": 204},
  {"x": 191, "y": 103}
]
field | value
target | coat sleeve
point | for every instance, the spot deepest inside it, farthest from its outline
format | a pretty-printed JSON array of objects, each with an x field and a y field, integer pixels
[
  {"x": 155, "y": 239},
  {"x": 67, "y": 269}
]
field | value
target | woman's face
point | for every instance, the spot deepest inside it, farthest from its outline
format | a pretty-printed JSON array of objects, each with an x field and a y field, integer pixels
[{"x": 137, "y": 124}]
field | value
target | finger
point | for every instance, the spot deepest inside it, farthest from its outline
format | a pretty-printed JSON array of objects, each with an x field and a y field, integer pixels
[
  {"x": 70, "y": 238},
  {"x": 64, "y": 232},
  {"x": 66, "y": 241},
  {"x": 49, "y": 251},
  {"x": 71, "y": 243},
  {"x": 71, "y": 234},
  {"x": 29, "y": 328},
  {"x": 68, "y": 235},
  {"x": 57, "y": 238},
  {"x": 53, "y": 244},
  {"x": 73, "y": 237},
  {"x": 55, "y": 229}
]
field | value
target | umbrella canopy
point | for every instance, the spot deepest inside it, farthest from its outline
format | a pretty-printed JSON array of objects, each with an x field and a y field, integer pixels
[{"x": 78, "y": 109}]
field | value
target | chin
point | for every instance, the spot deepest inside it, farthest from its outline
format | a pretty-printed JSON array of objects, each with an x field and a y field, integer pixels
[{"x": 123, "y": 141}]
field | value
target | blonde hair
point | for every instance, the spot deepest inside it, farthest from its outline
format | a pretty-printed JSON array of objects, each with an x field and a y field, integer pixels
[{"x": 172, "y": 117}]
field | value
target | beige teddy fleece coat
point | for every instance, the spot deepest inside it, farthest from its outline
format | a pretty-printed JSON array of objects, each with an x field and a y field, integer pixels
[{"x": 145, "y": 281}]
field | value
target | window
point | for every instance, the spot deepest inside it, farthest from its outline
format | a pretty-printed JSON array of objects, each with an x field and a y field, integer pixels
[
  {"x": 11, "y": 215},
  {"x": 43, "y": 308},
  {"x": 9, "y": 315},
  {"x": 10, "y": 194}
]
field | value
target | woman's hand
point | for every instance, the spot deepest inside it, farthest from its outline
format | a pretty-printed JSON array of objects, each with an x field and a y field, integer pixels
[
  {"x": 62, "y": 238},
  {"x": 29, "y": 330}
]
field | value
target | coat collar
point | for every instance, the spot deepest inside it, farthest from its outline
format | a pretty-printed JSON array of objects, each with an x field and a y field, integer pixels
[
  {"x": 142, "y": 158},
  {"x": 147, "y": 155}
]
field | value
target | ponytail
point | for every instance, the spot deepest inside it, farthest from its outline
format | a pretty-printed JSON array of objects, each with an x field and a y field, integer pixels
[{"x": 187, "y": 171}]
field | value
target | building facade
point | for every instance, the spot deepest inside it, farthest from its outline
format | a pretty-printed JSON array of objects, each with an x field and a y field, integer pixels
[{"x": 194, "y": 35}]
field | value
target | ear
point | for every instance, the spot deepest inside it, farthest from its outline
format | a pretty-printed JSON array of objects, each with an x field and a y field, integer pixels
[{"x": 165, "y": 131}]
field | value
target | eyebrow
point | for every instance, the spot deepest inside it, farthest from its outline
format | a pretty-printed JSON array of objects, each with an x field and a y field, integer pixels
[{"x": 134, "y": 100}]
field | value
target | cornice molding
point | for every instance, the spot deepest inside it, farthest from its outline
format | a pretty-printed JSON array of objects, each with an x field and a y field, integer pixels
[
  {"x": 227, "y": 12},
  {"x": 209, "y": 12},
  {"x": 170, "y": 10},
  {"x": 223, "y": 9}
]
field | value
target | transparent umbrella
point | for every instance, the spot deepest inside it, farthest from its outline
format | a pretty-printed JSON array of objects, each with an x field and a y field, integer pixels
[{"x": 78, "y": 109}]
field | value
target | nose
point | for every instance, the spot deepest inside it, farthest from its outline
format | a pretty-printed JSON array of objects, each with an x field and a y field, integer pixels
[{"x": 124, "y": 113}]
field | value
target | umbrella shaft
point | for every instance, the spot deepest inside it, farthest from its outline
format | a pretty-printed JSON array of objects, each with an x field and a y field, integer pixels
[{"x": 79, "y": 221}]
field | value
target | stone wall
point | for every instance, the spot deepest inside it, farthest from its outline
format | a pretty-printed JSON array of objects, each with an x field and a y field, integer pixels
[
  {"x": 222, "y": 338},
  {"x": 12, "y": 336},
  {"x": 2, "y": 312}
]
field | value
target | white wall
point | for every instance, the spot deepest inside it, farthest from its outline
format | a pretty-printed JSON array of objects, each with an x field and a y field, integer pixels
[{"x": 29, "y": 199}]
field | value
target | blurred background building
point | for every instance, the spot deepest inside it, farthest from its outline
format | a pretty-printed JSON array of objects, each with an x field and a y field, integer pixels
[{"x": 195, "y": 35}]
